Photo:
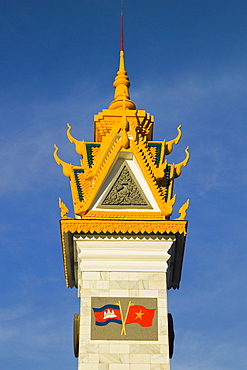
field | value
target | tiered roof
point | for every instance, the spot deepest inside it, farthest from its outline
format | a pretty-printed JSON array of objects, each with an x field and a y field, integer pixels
[
  {"x": 122, "y": 131},
  {"x": 124, "y": 183}
]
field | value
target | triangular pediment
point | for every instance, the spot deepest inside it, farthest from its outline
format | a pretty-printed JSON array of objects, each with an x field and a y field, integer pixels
[
  {"x": 125, "y": 192},
  {"x": 125, "y": 187}
]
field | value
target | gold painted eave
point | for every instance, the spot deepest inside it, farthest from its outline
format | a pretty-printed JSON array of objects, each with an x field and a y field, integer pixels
[{"x": 115, "y": 226}]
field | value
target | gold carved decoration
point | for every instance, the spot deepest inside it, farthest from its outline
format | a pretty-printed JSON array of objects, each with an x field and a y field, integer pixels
[
  {"x": 64, "y": 260},
  {"x": 79, "y": 145},
  {"x": 178, "y": 167},
  {"x": 123, "y": 215},
  {"x": 124, "y": 227},
  {"x": 66, "y": 166},
  {"x": 64, "y": 209},
  {"x": 125, "y": 192},
  {"x": 169, "y": 144},
  {"x": 182, "y": 210}
]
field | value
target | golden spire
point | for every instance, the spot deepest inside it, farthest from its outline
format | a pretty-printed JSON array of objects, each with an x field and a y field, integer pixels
[{"x": 121, "y": 82}]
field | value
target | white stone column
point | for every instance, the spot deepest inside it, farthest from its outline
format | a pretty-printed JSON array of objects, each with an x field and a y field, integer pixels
[{"x": 124, "y": 266}]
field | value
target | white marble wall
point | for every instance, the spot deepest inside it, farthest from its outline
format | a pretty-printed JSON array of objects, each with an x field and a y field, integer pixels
[{"x": 122, "y": 355}]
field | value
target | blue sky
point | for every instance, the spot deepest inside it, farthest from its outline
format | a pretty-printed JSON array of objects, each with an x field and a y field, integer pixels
[{"x": 186, "y": 61}]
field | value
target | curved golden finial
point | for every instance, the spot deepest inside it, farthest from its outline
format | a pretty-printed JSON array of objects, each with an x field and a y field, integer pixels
[
  {"x": 79, "y": 145},
  {"x": 182, "y": 210},
  {"x": 66, "y": 166},
  {"x": 169, "y": 205},
  {"x": 64, "y": 209},
  {"x": 169, "y": 144},
  {"x": 178, "y": 167}
]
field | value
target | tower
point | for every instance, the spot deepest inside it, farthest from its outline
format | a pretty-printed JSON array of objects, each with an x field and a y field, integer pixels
[{"x": 123, "y": 249}]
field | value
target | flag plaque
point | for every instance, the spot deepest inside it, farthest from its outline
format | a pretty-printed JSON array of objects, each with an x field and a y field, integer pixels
[{"x": 115, "y": 318}]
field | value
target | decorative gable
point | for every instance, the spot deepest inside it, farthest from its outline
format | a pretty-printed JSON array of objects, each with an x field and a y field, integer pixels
[
  {"x": 125, "y": 192},
  {"x": 125, "y": 189}
]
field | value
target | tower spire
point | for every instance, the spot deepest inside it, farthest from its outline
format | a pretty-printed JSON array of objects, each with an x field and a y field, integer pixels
[
  {"x": 121, "y": 82},
  {"x": 121, "y": 28}
]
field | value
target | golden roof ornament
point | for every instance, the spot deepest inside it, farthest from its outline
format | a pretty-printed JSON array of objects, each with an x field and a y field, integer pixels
[
  {"x": 124, "y": 183},
  {"x": 121, "y": 85}
]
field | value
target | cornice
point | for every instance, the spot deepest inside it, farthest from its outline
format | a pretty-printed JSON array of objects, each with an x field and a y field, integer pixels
[{"x": 113, "y": 226}]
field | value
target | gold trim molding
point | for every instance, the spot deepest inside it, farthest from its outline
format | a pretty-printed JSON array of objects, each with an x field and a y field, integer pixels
[{"x": 103, "y": 226}]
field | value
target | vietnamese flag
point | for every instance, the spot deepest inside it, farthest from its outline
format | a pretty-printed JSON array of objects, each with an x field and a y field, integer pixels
[{"x": 141, "y": 315}]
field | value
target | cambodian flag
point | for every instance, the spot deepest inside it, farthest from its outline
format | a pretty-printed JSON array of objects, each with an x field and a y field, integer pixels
[{"x": 106, "y": 314}]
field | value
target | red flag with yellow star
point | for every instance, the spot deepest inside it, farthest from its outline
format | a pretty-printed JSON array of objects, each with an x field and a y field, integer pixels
[{"x": 140, "y": 315}]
